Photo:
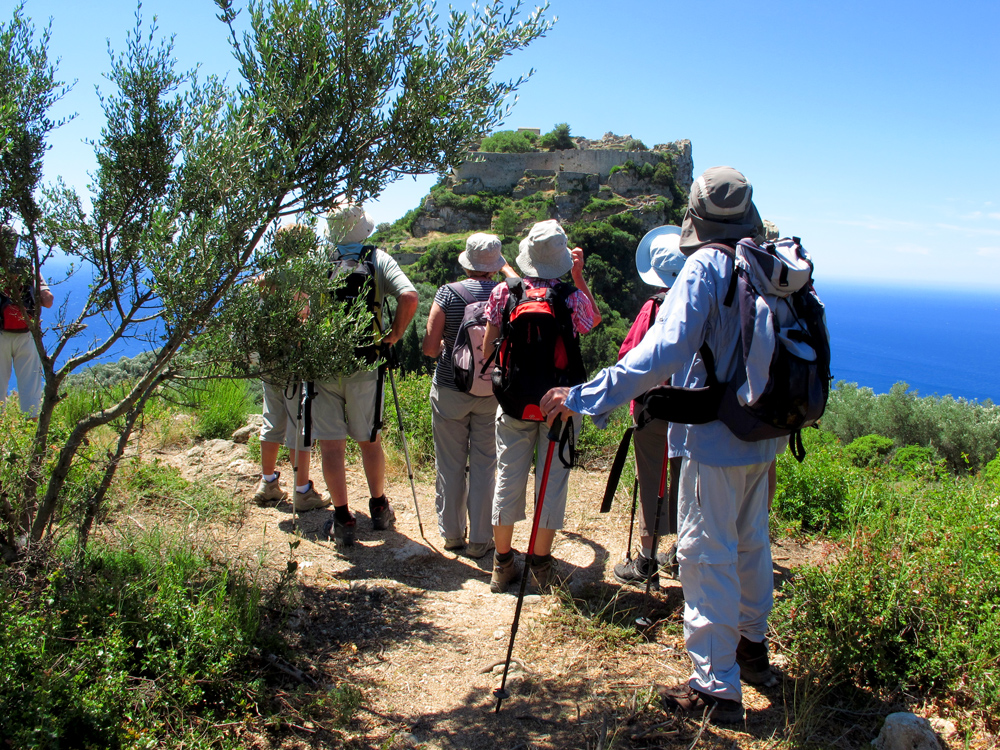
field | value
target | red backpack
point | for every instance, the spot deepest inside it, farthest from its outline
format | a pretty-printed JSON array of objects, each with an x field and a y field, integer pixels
[{"x": 537, "y": 349}]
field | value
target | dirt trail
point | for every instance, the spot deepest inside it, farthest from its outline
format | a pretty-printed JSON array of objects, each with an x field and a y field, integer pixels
[{"x": 417, "y": 629}]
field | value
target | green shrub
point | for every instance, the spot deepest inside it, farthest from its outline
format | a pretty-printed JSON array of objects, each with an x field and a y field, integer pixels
[
  {"x": 222, "y": 407},
  {"x": 509, "y": 142},
  {"x": 414, "y": 392},
  {"x": 868, "y": 449},
  {"x": 557, "y": 139},
  {"x": 912, "y": 602},
  {"x": 145, "y": 646},
  {"x": 992, "y": 471},
  {"x": 916, "y": 461},
  {"x": 507, "y": 222},
  {"x": 815, "y": 493},
  {"x": 596, "y": 205},
  {"x": 966, "y": 434}
]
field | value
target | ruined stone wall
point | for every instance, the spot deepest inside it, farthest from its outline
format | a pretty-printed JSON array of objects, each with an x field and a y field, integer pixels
[{"x": 501, "y": 172}]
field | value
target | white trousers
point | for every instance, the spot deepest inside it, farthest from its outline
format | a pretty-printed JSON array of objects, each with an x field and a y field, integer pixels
[
  {"x": 724, "y": 552},
  {"x": 17, "y": 351},
  {"x": 464, "y": 434}
]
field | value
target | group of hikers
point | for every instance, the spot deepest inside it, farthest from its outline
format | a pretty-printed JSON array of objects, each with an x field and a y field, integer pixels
[{"x": 688, "y": 341}]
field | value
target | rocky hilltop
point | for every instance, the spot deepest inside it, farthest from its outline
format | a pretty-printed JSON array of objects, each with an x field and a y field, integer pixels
[{"x": 594, "y": 180}]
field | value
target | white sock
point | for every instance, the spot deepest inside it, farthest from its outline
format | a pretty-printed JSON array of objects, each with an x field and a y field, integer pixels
[
  {"x": 302, "y": 489},
  {"x": 270, "y": 477}
]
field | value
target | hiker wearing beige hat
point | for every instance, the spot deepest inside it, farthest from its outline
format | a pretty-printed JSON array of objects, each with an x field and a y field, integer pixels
[
  {"x": 722, "y": 545},
  {"x": 544, "y": 256},
  {"x": 463, "y": 418},
  {"x": 351, "y": 405}
]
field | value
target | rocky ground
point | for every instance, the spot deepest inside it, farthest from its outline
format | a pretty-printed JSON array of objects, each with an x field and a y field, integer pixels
[{"x": 418, "y": 631}]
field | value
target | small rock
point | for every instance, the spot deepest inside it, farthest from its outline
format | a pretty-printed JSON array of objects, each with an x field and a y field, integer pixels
[
  {"x": 906, "y": 731},
  {"x": 196, "y": 451},
  {"x": 499, "y": 633},
  {"x": 532, "y": 599},
  {"x": 243, "y": 434}
]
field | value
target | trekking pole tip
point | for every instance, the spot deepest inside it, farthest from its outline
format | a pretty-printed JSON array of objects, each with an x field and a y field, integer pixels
[{"x": 501, "y": 694}]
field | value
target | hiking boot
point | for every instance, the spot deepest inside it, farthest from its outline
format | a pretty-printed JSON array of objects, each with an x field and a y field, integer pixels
[
  {"x": 478, "y": 550},
  {"x": 694, "y": 702},
  {"x": 310, "y": 499},
  {"x": 382, "y": 514},
  {"x": 667, "y": 561},
  {"x": 755, "y": 667},
  {"x": 341, "y": 532},
  {"x": 637, "y": 571},
  {"x": 269, "y": 493},
  {"x": 504, "y": 574},
  {"x": 452, "y": 543},
  {"x": 543, "y": 576}
]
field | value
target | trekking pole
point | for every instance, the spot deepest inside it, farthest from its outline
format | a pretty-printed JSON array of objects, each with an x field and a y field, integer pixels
[
  {"x": 295, "y": 457},
  {"x": 631, "y": 522},
  {"x": 645, "y": 621},
  {"x": 406, "y": 453},
  {"x": 501, "y": 692}
]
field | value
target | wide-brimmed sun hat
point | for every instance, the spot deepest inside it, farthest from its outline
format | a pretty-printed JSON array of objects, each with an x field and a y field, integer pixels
[
  {"x": 349, "y": 225},
  {"x": 658, "y": 259},
  {"x": 482, "y": 254},
  {"x": 720, "y": 207},
  {"x": 544, "y": 253}
]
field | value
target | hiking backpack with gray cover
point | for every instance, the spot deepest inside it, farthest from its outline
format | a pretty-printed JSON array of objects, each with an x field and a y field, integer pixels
[
  {"x": 782, "y": 378},
  {"x": 467, "y": 360}
]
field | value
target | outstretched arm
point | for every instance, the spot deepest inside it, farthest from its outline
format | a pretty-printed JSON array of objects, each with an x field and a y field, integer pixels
[{"x": 580, "y": 282}]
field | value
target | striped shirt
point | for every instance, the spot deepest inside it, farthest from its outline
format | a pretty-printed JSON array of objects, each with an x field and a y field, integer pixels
[{"x": 453, "y": 308}]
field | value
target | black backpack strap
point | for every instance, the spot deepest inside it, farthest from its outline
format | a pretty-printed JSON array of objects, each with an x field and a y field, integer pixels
[
  {"x": 310, "y": 394},
  {"x": 614, "y": 476},
  {"x": 379, "y": 392},
  {"x": 568, "y": 438}
]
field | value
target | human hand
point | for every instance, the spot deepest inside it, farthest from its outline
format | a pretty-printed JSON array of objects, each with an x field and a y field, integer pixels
[
  {"x": 553, "y": 405},
  {"x": 577, "y": 270}
]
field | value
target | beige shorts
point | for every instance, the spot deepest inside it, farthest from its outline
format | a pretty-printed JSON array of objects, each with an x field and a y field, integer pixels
[{"x": 345, "y": 407}]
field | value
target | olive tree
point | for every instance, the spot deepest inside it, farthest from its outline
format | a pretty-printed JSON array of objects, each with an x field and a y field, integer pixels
[{"x": 334, "y": 100}]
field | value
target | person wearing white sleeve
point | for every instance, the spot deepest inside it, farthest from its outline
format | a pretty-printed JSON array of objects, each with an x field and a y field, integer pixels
[{"x": 723, "y": 548}]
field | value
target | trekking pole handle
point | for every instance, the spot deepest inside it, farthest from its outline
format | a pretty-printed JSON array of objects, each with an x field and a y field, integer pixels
[{"x": 556, "y": 429}]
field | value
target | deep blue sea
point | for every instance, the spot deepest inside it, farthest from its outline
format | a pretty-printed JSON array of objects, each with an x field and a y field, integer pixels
[{"x": 938, "y": 342}]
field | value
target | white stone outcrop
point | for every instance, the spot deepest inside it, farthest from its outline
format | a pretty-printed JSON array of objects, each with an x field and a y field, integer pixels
[{"x": 906, "y": 731}]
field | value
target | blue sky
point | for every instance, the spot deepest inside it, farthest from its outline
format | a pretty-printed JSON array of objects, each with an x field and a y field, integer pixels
[{"x": 868, "y": 129}]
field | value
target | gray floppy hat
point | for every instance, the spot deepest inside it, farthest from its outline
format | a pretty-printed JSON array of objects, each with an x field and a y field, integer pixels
[
  {"x": 348, "y": 225},
  {"x": 544, "y": 253},
  {"x": 720, "y": 207},
  {"x": 482, "y": 254},
  {"x": 658, "y": 259}
]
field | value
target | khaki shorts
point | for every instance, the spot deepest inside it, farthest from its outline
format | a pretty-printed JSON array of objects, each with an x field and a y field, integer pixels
[
  {"x": 345, "y": 407},
  {"x": 281, "y": 408}
]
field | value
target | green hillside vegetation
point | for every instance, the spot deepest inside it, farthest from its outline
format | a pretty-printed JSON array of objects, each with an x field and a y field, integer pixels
[{"x": 910, "y": 607}]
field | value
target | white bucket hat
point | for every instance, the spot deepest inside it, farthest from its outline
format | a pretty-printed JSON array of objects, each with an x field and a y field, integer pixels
[
  {"x": 545, "y": 252},
  {"x": 658, "y": 259},
  {"x": 349, "y": 225},
  {"x": 482, "y": 254}
]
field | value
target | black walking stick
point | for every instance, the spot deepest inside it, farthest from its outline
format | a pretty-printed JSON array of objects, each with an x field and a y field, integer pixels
[
  {"x": 645, "y": 621},
  {"x": 501, "y": 692}
]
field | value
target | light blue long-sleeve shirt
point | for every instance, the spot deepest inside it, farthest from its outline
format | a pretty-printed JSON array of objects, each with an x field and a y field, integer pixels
[{"x": 693, "y": 313}]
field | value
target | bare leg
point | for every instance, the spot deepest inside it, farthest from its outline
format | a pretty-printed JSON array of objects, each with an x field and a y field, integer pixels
[
  {"x": 503, "y": 537},
  {"x": 373, "y": 459},
  {"x": 302, "y": 477},
  {"x": 334, "y": 473},
  {"x": 268, "y": 456}
]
